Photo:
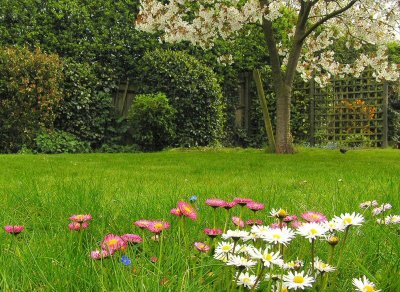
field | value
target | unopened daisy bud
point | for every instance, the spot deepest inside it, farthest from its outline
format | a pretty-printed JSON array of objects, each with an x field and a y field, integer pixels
[
  {"x": 281, "y": 213},
  {"x": 333, "y": 240}
]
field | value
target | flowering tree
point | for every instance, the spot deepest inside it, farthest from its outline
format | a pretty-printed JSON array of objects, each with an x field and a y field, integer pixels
[{"x": 317, "y": 25}]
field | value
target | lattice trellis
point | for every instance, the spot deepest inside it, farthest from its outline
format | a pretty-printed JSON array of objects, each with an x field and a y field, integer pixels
[{"x": 349, "y": 111}]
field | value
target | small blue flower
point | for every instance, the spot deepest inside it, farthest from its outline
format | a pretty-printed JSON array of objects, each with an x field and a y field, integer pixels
[
  {"x": 193, "y": 199},
  {"x": 126, "y": 261}
]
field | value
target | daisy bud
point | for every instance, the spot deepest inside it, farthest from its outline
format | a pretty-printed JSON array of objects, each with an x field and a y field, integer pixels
[{"x": 333, "y": 240}]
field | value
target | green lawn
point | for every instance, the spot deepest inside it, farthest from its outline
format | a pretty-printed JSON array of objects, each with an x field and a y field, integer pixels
[{"x": 42, "y": 191}]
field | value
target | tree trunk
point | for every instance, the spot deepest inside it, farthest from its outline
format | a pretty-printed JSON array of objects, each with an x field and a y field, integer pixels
[{"x": 283, "y": 139}]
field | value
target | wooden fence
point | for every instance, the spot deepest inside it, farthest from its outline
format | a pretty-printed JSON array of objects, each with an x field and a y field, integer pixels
[{"x": 122, "y": 99}]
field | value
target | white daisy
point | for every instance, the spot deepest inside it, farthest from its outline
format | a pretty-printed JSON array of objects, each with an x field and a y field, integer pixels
[
  {"x": 240, "y": 262},
  {"x": 312, "y": 230},
  {"x": 235, "y": 234},
  {"x": 246, "y": 280},
  {"x": 259, "y": 230},
  {"x": 333, "y": 225},
  {"x": 364, "y": 285},
  {"x": 323, "y": 267},
  {"x": 278, "y": 213},
  {"x": 392, "y": 219},
  {"x": 252, "y": 236},
  {"x": 293, "y": 265},
  {"x": 283, "y": 235},
  {"x": 348, "y": 219},
  {"x": 268, "y": 257},
  {"x": 297, "y": 280},
  {"x": 243, "y": 248},
  {"x": 222, "y": 250}
]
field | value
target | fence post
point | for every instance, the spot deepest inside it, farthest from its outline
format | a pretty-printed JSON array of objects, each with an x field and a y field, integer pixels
[{"x": 385, "y": 114}]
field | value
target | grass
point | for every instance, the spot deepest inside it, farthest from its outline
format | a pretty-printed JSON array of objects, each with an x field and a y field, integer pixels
[{"x": 42, "y": 191}]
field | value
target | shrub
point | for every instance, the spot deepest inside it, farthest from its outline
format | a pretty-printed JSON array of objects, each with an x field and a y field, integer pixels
[
  {"x": 152, "y": 121},
  {"x": 192, "y": 89},
  {"x": 60, "y": 142},
  {"x": 29, "y": 92}
]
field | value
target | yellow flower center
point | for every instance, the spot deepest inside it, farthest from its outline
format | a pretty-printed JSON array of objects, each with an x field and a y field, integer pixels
[
  {"x": 313, "y": 231},
  {"x": 187, "y": 209},
  {"x": 226, "y": 248},
  {"x": 79, "y": 217},
  {"x": 369, "y": 288},
  {"x": 284, "y": 289},
  {"x": 112, "y": 242},
  {"x": 314, "y": 216},
  {"x": 282, "y": 213},
  {"x": 246, "y": 280},
  {"x": 158, "y": 225},
  {"x": 268, "y": 257},
  {"x": 347, "y": 220},
  {"x": 298, "y": 279},
  {"x": 276, "y": 236}
]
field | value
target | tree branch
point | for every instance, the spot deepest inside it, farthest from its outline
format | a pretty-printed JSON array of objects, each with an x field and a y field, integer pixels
[{"x": 327, "y": 17}]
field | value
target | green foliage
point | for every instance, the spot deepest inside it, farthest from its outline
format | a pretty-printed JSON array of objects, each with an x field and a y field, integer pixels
[
  {"x": 60, "y": 142},
  {"x": 29, "y": 92},
  {"x": 192, "y": 89},
  {"x": 152, "y": 121}
]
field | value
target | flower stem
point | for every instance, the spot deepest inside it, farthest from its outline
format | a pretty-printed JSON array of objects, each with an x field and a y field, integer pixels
[
  {"x": 312, "y": 255},
  {"x": 215, "y": 216},
  {"x": 258, "y": 278},
  {"x": 227, "y": 219}
]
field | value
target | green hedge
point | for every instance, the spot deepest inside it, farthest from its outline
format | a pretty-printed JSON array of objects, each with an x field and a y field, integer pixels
[
  {"x": 29, "y": 92},
  {"x": 193, "y": 90}
]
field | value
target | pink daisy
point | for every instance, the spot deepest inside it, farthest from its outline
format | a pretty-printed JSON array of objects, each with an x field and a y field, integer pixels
[
  {"x": 142, "y": 223},
  {"x": 237, "y": 221},
  {"x": 78, "y": 226},
  {"x": 212, "y": 232},
  {"x": 16, "y": 229},
  {"x": 154, "y": 259},
  {"x": 81, "y": 218},
  {"x": 99, "y": 254},
  {"x": 215, "y": 203},
  {"x": 229, "y": 205},
  {"x": 276, "y": 225},
  {"x": 132, "y": 238},
  {"x": 255, "y": 206},
  {"x": 187, "y": 210},
  {"x": 251, "y": 222},
  {"x": 176, "y": 212},
  {"x": 201, "y": 246},
  {"x": 311, "y": 216},
  {"x": 242, "y": 201},
  {"x": 296, "y": 224},
  {"x": 112, "y": 243},
  {"x": 158, "y": 226},
  {"x": 290, "y": 218}
]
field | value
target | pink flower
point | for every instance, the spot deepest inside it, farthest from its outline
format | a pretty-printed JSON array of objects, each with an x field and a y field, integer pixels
[
  {"x": 176, "y": 212},
  {"x": 142, "y": 223},
  {"x": 215, "y": 203},
  {"x": 158, "y": 226},
  {"x": 229, "y": 205},
  {"x": 15, "y": 230},
  {"x": 187, "y": 210},
  {"x": 154, "y": 259},
  {"x": 251, "y": 222},
  {"x": 132, "y": 238},
  {"x": 290, "y": 218},
  {"x": 242, "y": 201},
  {"x": 112, "y": 243},
  {"x": 254, "y": 206},
  {"x": 237, "y": 221},
  {"x": 277, "y": 226},
  {"x": 99, "y": 254},
  {"x": 81, "y": 218},
  {"x": 201, "y": 246},
  {"x": 78, "y": 226},
  {"x": 212, "y": 232},
  {"x": 311, "y": 216},
  {"x": 296, "y": 224}
]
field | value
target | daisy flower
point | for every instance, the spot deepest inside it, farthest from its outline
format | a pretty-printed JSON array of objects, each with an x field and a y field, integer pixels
[
  {"x": 201, "y": 246},
  {"x": 268, "y": 257},
  {"x": 229, "y": 205},
  {"x": 254, "y": 206},
  {"x": 364, "y": 285},
  {"x": 323, "y": 267},
  {"x": 282, "y": 236},
  {"x": 252, "y": 222},
  {"x": 240, "y": 262},
  {"x": 112, "y": 243},
  {"x": 260, "y": 230},
  {"x": 235, "y": 234},
  {"x": 297, "y": 280},
  {"x": 296, "y": 224},
  {"x": 237, "y": 221},
  {"x": 15, "y": 230},
  {"x": 81, "y": 218},
  {"x": 280, "y": 213},
  {"x": 312, "y": 230},
  {"x": 99, "y": 254},
  {"x": 248, "y": 281},
  {"x": 277, "y": 225},
  {"x": 290, "y": 218},
  {"x": 187, "y": 210},
  {"x": 222, "y": 250},
  {"x": 334, "y": 225},
  {"x": 242, "y": 201},
  {"x": 312, "y": 216},
  {"x": 132, "y": 238},
  {"x": 78, "y": 226},
  {"x": 349, "y": 219},
  {"x": 376, "y": 211},
  {"x": 252, "y": 236},
  {"x": 176, "y": 212},
  {"x": 215, "y": 203},
  {"x": 158, "y": 226},
  {"x": 212, "y": 232},
  {"x": 293, "y": 265},
  {"x": 392, "y": 219},
  {"x": 142, "y": 223},
  {"x": 367, "y": 204},
  {"x": 332, "y": 239}
]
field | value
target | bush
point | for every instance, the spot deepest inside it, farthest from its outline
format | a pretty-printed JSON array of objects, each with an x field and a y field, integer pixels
[
  {"x": 60, "y": 142},
  {"x": 152, "y": 121},
  {"x": 29, "y": 92},
  {"x": 192, "y": 89}
]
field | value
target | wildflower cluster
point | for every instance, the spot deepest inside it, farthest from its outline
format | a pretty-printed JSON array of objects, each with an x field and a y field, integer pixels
[{"x": 380, "y": 212}]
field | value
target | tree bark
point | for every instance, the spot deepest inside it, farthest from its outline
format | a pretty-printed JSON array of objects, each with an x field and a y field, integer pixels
[{"x": 283, "y": 139}]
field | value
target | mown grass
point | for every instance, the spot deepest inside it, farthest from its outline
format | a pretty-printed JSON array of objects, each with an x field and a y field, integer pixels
[{"x": 42, "y": 191}]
